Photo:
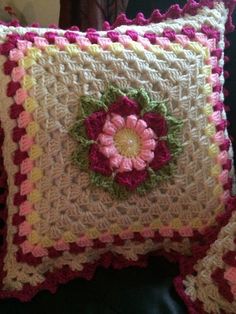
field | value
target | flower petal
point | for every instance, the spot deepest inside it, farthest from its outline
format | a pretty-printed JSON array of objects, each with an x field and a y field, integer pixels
[
  {"x": 108, "y": 151},
  {"x": 109, "y": 128},
  {"x": 94, "y": 124},
  {"x": 147, "y": 155},
  {"x": 98, "y": 162},
  {"x": 116, "y": 160},
  {"x": 140, "y": 126},
  {"x": 126, "y": 165},
  {"x": 118, "y": 121},
  {"x": 131, "y": 179},
  {"x": 161, "y": 156},
  {"x": 157, "y": 123},
  {"x": 131, "y": 121},
  {"x": 138, "y": 163},
  {"x": 147, "y": 134},
  {"x": 105, "y": 139},
  {"x": 125, "y": 106},
  {"x": 149, "y": 144}
]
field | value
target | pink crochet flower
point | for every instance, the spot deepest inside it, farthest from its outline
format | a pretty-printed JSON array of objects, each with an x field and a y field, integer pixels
[
  {"x": 127, "y": 142},
  {"x": 123, "y": 145}
]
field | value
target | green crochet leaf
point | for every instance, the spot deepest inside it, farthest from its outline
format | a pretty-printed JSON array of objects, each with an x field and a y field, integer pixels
[
  {"x": 80, "y": 157},
  {"x": 155, "y": 178},
  {"x": 142, "y": 98},
  {"x": 111, "y": 95},
  {"x": 174, "y": 146},
  {"x": 174, "y": 124},
  {"x": 108, "y": 184},
  {"x": 78, "y": 132},
  {"x": 88, "y": 105}
]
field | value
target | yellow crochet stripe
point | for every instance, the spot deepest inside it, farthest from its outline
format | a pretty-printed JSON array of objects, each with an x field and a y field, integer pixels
[
  {"x": 33, "y": 218},
  {"x": 116, "y": 48},
  {"x": 35, "y": 151},
  {"x": 72, "y": 50},
  {"x": 207, "y": 110}
]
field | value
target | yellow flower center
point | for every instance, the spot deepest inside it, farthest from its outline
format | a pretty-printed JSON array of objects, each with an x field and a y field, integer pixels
[{"x": 127, "y": 142}]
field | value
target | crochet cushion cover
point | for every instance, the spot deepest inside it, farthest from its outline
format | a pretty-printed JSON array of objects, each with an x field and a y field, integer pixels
[
  {"x": 208, "y": 285},
  {"x": 114, "y": 144}
]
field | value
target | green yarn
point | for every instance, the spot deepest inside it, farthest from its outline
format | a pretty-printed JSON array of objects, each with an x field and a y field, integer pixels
[
  {"x": 109, "y": 185},
  {"x": 80, "y": 157},
  {"x": 111, "y": 94},
  {"x": 142, "y": 98},
  {"x": 78, "y": 132},
  {"x": 89, "y": 104}
]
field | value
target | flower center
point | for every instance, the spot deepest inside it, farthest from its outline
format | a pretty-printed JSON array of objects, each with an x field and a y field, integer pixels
[{"x": 127, "y": 142}]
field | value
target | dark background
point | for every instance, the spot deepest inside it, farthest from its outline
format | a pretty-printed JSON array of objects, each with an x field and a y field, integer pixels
[{"x": 132, "y": 290}]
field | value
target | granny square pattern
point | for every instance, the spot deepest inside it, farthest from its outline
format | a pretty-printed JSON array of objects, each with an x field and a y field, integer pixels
[
  {"x": 209, "y": 284},
  {"x": 114, "y": 144}
]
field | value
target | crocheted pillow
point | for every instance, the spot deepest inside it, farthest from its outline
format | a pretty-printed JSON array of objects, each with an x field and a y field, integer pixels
[
  {"x": 115, "y": 144},
  {"x": 209, "y": 284}
]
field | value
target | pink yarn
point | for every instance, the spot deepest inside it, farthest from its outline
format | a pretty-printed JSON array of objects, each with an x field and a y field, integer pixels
[
  {"x": 132, "y": 34},
  {"x": 104, "y": 42},
  {"x": 26, "y": 247},
  {"x": 24, "y": 119},
  {"x": 114, "y": 36},
  {"x": 39, "y": 251},
  {"x": 131, "y": 179},
  {"x": 106, "y": 238},
  {"x": 219, "y": 137},
  {"x": 24, "y": 229},
  {"x": 224, "y": 176},
  {"x": 93, "y": 37},
  {"x": 17, "y": 73},
  {"x": 189, "y": 31},
  {"x": 26, "y": 142},
  {"x": 166, "y": 232},
  {"x": 71, "y": 37},
  {"x": 24, "y": 45},
  {"x": 20, "y": 96},
  {"x": 223, "y": 157},
  {"x": 9, "y": 66},
  {"x": 16, "y": 55},
  {"x": 25, "y": 208},
  {"x": 5, "y": 48},
  {"x": 115, "y": 123},
  {"x": 83, "y": 42},
  {"x": 151, "y": 37},
  {"x": 26, "y": 166},
  {"x": 12, "y": 87},
  {"x": 169, "y": 33},
  {"x": 40, "y": 42},
  {"x": 61, "y": 245},
  {"x": 61, "y": 42},
  {"x": 85, "y": 242},
  {"x": 26, "y": 187}
]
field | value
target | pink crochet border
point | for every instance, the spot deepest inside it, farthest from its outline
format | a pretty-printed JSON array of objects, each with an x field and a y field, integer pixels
[
  {"x": 187, "y": 268},
  {"x": 20, "y": 156},
  {"x": 187, "y": 264},
  {"x": 65, "y": 274}
]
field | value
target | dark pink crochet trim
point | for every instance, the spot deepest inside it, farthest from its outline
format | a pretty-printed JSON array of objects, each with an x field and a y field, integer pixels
[
  {"x": 3, "y": 209},
  {"x": 174, "y": 12},
  {"x": 199, "y": 252}
]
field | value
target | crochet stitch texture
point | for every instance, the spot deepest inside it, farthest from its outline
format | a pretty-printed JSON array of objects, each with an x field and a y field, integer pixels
[
  {"x": 126, "y": 141},
  {"x": 59, "y": 227}
]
